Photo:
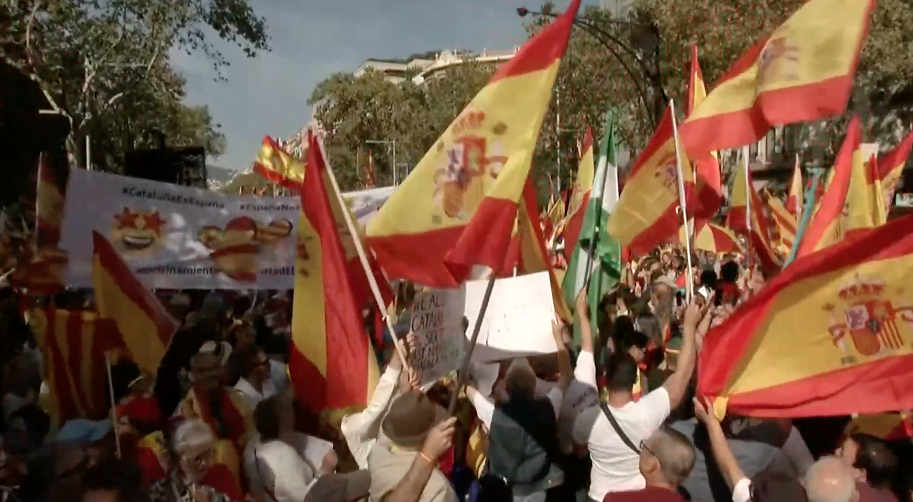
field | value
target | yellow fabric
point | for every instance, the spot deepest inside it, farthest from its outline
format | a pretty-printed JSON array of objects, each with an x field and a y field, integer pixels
[
  {"x": 864, "y": 206},
  {"x": 477, "y": 450},
  {"x": 280, "y": 163}
]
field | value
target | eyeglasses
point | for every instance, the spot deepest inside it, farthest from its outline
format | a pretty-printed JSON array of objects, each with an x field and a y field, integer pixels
[{"x": 644, "y": 447}]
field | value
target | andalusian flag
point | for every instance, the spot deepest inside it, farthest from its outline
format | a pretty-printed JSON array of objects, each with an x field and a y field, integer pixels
[
  {"x": 458, "y": 206},
  {"x": 828, "y": 224},
  {"x": 796, "y": 190},
  {"x": 648, "y": 209},
  {"x": 74, "y": 345},
  {"x": 277, "y": 166},
  {"x": 890, "y": 167},
  {"x": 143, "y": 323},
  {"x": 707, "y": 190},
  {"x": 580, "y": 197},
  {"x": 831, "y": 335},
  {"x": 332, "y": 363},
  {"x": 803, "y": 71}
]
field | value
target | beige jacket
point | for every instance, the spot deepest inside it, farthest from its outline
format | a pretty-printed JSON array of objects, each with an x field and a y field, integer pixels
[{"x": 388, "y": 465}]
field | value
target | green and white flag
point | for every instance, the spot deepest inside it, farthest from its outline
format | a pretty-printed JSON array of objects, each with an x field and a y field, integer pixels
[{"x": 605, "y": 264}]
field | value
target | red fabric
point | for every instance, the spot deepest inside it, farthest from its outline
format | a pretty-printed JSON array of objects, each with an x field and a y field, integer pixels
[
  {"x": 445, "y": 463},
  {"x": 219, "y": 477},
  {"x": 648, "y": 494},
  {"x": 729, "y": 293},
  {"x": 142, "y": 409},
  {"x": 150, "y": 467},
  {"x": 231, "y": 418}
]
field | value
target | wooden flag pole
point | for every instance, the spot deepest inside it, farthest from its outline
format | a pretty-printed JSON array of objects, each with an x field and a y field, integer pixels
[
  {"x": 114, "y": 423},
  {"x": 363, "y": 258},
  {"x": 463, "y": 375},
  {"x": 748, "y": 193},
  {"x": 689, "y": 277}
]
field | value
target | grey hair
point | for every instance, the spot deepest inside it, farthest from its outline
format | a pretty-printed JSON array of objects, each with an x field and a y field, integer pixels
[
  {"x": 675, "y": 454},
  {"x": 520, "y": 379},
  {"x": 830, "y": 480},
  {"x": 192, "y": 435}
]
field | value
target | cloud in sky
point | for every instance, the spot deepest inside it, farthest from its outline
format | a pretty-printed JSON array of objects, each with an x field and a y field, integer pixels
[{"x": 312, "y": 39}]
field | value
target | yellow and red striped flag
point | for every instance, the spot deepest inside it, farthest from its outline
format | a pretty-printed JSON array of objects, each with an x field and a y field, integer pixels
[
  {"x": 786, "y": 223},
  {"x": 796, "y": 191},
  {"x": 277, "y": 166},
  {"x": 74, "y": 344},
  {"x": 890, "y": 167},
  {"x": 458, "y": 206},
  {"x": 707, "y": 191},
  {"x": 831, "y": 335},
  {"x": 764, "y": 237},
  {"x": 580, "y": 197},
  {"x": 647, "y": 212},
  {"x": 712, "y": 237},
  {"x": 332, "y": 363},
  {"x": 802, "y": 71},
  {"x": 143, "y": 323}
]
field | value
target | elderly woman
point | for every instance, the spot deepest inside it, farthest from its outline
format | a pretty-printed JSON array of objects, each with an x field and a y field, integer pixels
[{"x": 193, "y": 477}]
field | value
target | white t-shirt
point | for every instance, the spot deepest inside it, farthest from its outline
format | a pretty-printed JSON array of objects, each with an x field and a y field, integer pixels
[
  {"x": 253, "y": 396},
  {"x": 615, "y": 466}
]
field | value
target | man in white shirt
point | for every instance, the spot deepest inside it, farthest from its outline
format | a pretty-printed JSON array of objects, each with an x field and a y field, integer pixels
[
  {"x": 616, "y": 461},
  {"x": 255, "y": 384}
]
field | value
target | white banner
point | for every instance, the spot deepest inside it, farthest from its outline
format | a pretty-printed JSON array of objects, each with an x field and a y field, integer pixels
[{"x": 178, "y": 237}]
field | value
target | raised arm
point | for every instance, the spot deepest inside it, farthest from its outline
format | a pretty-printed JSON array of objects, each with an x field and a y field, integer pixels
[
  {"x": 723, "y": 456},
  {"x": 677, "y": 384}
]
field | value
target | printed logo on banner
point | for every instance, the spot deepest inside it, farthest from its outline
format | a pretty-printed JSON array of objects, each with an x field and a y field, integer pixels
[
  {"x": 235, "y": 248},
  {"x": 137, "y": 233}
]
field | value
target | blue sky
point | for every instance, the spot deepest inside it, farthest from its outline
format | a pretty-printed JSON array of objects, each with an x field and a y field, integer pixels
[{"x": 312, "y": 39}]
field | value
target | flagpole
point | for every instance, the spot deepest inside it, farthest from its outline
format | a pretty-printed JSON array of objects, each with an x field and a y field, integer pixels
[
  {"x": 808, "y": 203},
  {"x": 113, "y": 404},
  {"x": 363, "y": 258},
  {"x": 463, "y": 375},
  {"x": 591, "y": 247},
  {"x": 748, "y": 188},
  {"x": 689, "y": 277}
]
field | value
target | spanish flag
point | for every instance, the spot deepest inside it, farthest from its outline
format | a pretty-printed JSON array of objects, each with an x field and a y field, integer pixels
[
  {"x": 764, "y": 237},
  {"x": 886, "y": 426},
  {"x": 707, "y": 192},
  {"x": 796, "y": 191},
  {"x": 277, "y": 166},
  {"x": 890, "y": 167},
  {"x": 831, "y": 335},
  {"x": 458, "y": 206},
  {"x": 143, "y": 323},
  {"x": 332, "y": 364},
  {"x": 803, "y": 71},
  {"x": 712, "y": 237},
  {"x": 580, "y": 197},
  {"x": 74, "y": 345},
  {"x": 49, "y": 203},
  {"x": 647, "y": 212},
  {"x": 785, "y": 221}
]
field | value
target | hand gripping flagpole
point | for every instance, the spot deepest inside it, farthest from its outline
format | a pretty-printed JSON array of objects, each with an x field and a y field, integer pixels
[
  {"x": 463, "y": 375},
  {"x": 689, "y": 276},
  {"x": 363, "y": 258}
]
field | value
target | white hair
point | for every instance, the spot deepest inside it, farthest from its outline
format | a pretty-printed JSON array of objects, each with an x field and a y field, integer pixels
[
  {"x": 830, "y": 480},
  {"x": 192, "y": 435}
]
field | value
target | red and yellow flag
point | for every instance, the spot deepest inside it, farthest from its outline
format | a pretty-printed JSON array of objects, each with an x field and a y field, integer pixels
[
  {"x": 713, "y": 238},
  {"x": 143, "y": 323},
  {"x": 458, "y": 206},
  {"x": 707, "y": 192},
  {"x": 831, "y": 335},
  {"x": 647, "y": 212},
  {"x": 580, "y": 197},
  {"x": 802, "y": 71},
  {"x": 796, "y": 191},
  {"x": 890, "y": 167},
  {"x": 332, "y": 363},
  {"x": 74, "y": 345},
  {"x": 786, "y": 223},
  {"x": 764, "y": 236},
  {"x": 49, "y": 204},
  {"x": 277, "y": 166}
]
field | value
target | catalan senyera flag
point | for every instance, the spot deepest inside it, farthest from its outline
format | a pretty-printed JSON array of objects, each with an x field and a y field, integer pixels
[
  {"x": 796, "y": 190},
  {"x": 763, "y": 237},
  {"x": 712, "y": 237},
  {"x": 580, "y": 196},
  {"x": 332, "y": 363},
  {"x": 707, "y": 192},
  {"x": 49, "y": 204},
  {"x": 890, "y": 167},
  {"x": 143, "y": 323},
  {"x": 802, "y": 71},
  {"x": 74, "y": 344},
  {"x": 786, "y": 223},
  {"x": 828, "y": 224},
  {"x": 457, "y": 207},
  {"x": 830, "y": 335},
  {"x": 277, "y": 166},
  {"x": 647, "y": 210}
]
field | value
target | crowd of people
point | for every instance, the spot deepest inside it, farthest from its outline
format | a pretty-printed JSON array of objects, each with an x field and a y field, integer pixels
[{"x": 612, "y": 416}]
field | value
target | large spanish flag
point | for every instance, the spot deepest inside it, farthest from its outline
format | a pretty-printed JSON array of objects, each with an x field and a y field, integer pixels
[
  {"x": 796, "y": 191},
  {"x": 458, "y": 206},
  {"x": 707, "y": 192},
  {"x": 827, "y": 225},
  {"x": 580, "y": 196},
  {"x": 143, "y": 323},
  {"x": 802, "y": 71},
  {"x": 277, "y": 166},
  {"x": 331, "y": 362},
  {"x": 74, "y": 345},
  {"x": 890, "y": 168},
  {"x": 647, "y": 212},
  {"x": 831, "y": 335}
]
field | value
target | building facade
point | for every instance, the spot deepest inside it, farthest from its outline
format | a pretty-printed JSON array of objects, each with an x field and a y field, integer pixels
[{"x": 424, "y": 70}]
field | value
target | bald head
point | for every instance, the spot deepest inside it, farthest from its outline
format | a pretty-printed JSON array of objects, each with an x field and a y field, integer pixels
[
  {"x": 674, "y": 453},
  {"x": 830, "y": 480}
]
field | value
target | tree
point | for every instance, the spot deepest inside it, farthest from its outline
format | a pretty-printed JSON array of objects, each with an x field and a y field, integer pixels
[{"x": 95, "y": 59}]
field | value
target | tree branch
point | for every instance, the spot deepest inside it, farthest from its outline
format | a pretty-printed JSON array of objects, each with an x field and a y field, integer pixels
[{"x": 28, "y": 26}]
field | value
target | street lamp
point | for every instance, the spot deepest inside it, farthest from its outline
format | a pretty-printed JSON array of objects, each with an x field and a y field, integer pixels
[
  {"x": 648, "y": 41},
  {"x": 393, "y": 144}
]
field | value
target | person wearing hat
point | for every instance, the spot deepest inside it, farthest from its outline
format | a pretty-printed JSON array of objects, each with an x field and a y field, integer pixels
[{"x": 403, "y": 461}]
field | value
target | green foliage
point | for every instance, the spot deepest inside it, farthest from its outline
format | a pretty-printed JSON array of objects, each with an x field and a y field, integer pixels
[{"x": 105, "y": 65}]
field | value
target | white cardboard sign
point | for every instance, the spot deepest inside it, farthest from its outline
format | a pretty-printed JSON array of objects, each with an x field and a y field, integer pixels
[{"x": 437, "y": 319}]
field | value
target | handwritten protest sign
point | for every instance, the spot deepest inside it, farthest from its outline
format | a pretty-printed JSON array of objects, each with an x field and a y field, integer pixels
[{"x": 437, "y": 323}]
